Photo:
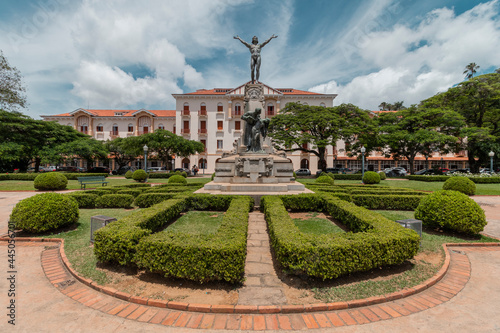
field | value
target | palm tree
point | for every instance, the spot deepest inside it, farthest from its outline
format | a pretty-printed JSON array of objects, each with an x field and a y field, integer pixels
[
  {"x": 398, "y": 106},
  {"x": 471, "y": 69},
  {"x": 383, "y": 106}
]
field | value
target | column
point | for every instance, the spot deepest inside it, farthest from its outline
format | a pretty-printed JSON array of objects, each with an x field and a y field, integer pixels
[{"x": 229, "y": 109}]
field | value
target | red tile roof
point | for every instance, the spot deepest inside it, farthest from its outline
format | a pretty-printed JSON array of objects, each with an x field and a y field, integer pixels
[
  {"x": 223, "y": 91},
  {"x": 125, "y": 113}
]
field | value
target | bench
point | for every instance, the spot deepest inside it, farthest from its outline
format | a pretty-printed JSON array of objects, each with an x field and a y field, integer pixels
[{"x": 92, "y": 180}]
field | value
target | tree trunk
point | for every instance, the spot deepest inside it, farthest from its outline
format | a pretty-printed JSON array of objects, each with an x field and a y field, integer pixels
[{"x": 322, "y": 161}]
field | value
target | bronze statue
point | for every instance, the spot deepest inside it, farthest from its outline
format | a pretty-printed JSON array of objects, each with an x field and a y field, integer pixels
[
  {"x": 255, "y": 128},
  {"x": 255, "y": 48}
]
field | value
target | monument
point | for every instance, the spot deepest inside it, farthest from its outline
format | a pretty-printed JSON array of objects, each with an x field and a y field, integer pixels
[{"x": 253, "y": 167}]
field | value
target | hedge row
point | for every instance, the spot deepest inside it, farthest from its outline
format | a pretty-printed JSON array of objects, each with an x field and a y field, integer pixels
[
  {"x": 115, "y": 201},
  {"x": 150, "y": 199},
  {"x": 32, "y": 176},
  {"x": 374, "y": 241},
  {"x": 477, "y": 180},
  {"x": 347, "y": 176},
  {"x": 117, "y": 241},
  {"x": 219, "y": 256}
]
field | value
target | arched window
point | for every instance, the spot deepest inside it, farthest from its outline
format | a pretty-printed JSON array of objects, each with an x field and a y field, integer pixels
[
  {"x": 161, "y": 126},
  {"x": 202, "y": 163},
  {"x": 99, "y": 127},
  {"x": 185, "y": 163},
  {"x": 203, "y": 109},
  {"x": 322, "y": 104},
  {"x": 270, "y": 109},
  {"x": 186, "y": 106},
  {"x": 220, "y": 108},
  {"x": 115, "y": 129},
  {"x": 237, "y": 109},
  {"x": 130, "y": 128},
  {"x": 304, "y": 164}
]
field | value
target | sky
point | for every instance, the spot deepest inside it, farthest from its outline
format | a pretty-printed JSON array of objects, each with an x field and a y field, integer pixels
[{"x": 129, "y": 54}]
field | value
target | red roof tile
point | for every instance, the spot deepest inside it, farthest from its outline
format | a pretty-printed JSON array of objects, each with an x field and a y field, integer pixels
[{"x": 125, "y": 113}]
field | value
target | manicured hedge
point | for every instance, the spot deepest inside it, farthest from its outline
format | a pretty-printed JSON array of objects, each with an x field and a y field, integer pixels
[
  {"x": 477, "y": 180},
  {"x": 374, "y": 242},
  {"x": 115, "y": 201},
  {"x": 134, "y": 193},
  {"x": 387, "y": 202},
  {"x": 32, "y": 176},
  {"x": 219, "y": 256},
  {"x": 136, "y": 185},
  {"x": 340, "y": 176},
  {"x": 149, "y": 199},
  {"x": 117, "y": 241},
  {"x": 102, "y": 191},
  {"x": 84, "y": 199}
]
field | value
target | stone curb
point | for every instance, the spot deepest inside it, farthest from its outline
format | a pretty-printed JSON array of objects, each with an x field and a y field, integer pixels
[{"x": 260, "y": 309}]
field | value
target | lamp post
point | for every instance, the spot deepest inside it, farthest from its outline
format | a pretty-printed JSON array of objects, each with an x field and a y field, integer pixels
[
  {"x": 363, "y": 150},
  {"x": 145, "y": 157},
  {"x": 491, "y": 154}
]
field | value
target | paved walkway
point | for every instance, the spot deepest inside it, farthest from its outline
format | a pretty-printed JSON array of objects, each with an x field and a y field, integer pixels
[{"x": 49, "y": 299}]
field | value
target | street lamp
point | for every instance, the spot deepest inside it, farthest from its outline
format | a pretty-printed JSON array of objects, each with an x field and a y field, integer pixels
[
  {"x": 363, "y": 151},
  {"x": 491, "y": 154},
  {"x": 145, "y": 157}
]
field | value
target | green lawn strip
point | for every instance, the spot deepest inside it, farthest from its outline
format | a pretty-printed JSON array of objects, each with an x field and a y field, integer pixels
[
  {"x": 317, "y": 226},
  {"x": 197, "y": 223},
  {"x": 77, "y": 244}
]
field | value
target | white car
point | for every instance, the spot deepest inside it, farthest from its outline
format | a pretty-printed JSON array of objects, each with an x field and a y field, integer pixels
[
  {"x": 155, "y": 169},
  {"x": 50, "y": 168}
]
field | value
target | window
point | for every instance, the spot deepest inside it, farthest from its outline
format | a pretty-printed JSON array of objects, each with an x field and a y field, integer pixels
[
  {"x": 130, "y": 128},
  {"x": 115, "y": 129},
  {"x": 161, "y": 126},
  {"x": 203, "y": 107},
  {"x": 220, "y": 108},
  {"x": 186, "y": 106},
  {"x": 220, "y": 126},
  {"x": 322, "y": 104},
  {"x": 237, "y": 109},
  {"x": 220, "y": 144},
  {"x": 203, "y": 126},
  {"x": 237, "y": 125},
  {"x": 204, "y": 143},
  {"x": 99, "y": 128},
  {"x": 173, "y": 130},
  {"x": 84, "y": 129},
  {"x": 305, "y": 146},
  {"x": 270, "y": 109}
]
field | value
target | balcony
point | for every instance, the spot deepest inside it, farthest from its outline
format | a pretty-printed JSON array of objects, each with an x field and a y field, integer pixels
[
  {"x": 129, "y": 134},
  {"x": 236, "y": 114},
  {"x": 99, "y": 135},
  {"x": 186, "y": 113},
  {"x": 202, "y": 113},
  {"x": 202, "y": 131},
  {"x": 114, "y": 134},
  {"x": 185, "y": 131}
]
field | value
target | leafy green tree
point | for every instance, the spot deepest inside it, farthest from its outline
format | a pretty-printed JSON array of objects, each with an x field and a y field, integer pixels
[
  {"x": 411, "y": 131},
  {"x": 164, "y": 145},
  {"x": 86, "y": 148},
  {"x": 319, "y": 127},
  {"x": 470, "y": 70},
  {"x": 478, "y": 101},
  {"x": 24, "y": 140},
  {"x": 12, "y": 92},
  {"x": 124, "y": 150}
]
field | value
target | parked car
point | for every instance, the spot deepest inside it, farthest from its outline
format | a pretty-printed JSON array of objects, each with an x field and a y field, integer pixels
[
  {"x": 50, "y": 168},
  {"x": 155, "y": 169},
  {"x": 395, "y": 172},
  {"x": 123, "y": 170},
  {"x": 67, "y": 169},
  {"x": 429, "y": 172},
  {"x": 98, "y": 170},
  {"x": 303, "y": 172},
  {"x": 183, "y": 170}
]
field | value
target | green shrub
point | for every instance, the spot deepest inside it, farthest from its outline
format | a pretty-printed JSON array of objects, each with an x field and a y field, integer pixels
[
  {"x": 348, "y": 176},
  {"x": 213, "y": 176},
  {"x": 219, "y": 256},
  {"x": 50, "y": 181},
  {"x": 134, "y": 186},
  {"x": 139, "y": 175},
  {"x": 426, "y": 178},
  {"x": 115, "y": 201},
  {"x": 129, "y": 174},
  {"x": 382, "y": 175},
  {"x": 45, "y": 212},
  {"x": 391, "y": 201},
  {"x": 177, "y": 179},
  {"x": 160, "y": 175},
  {"x": 294, "y": 175},
  {"x": 134, "y": 193},
  {"x": 371, "y": 177},
  {"x": 149, "y": 199},
  {"x": 85, "y": 199},
  {"x": 374, "y": 241},
  {"x": 324, "y": 180},
  {"x": 451, "y": 210},
  {"x": 460, "y": 184},
  {"x": 103, "y": 191}
]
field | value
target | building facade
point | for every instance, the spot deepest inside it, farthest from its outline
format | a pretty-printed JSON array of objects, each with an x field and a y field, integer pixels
[{"x": 213, "y": 117}]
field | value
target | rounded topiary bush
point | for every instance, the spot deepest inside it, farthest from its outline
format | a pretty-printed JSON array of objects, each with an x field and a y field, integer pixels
[
  {"x": 50, "y": 181},
  {"x": 177, "y": 179},
  {"x": 44, "y": 212},
  {"x": 451, "y": 210},
  {"x": 324, "y": 180},
  {"x": 129, "y": 174},
  {"x": 371, "y": 177},
  {"x": 382, "y": 175},
  {"x": 139, "y": 175},
  {"x": 460, "y": 184}
]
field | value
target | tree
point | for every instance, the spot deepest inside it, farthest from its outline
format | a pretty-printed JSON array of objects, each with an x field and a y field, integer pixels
[
  {"x": 123, "y": 150},
  {"x": 411, "y": 131},
  {"x": 384, "y": 106},
  {"x": 478, "y": 101},
  {"x": 24, "y": 140},
  {"x": 470, "y": 70},
  {"x": 86, "y": 148},
  {"x": 312, "y": 129},
  {"x": 497, "y": 70},
  {"x": 12, "y": 92},
  {"x": 164, "y": 145}
]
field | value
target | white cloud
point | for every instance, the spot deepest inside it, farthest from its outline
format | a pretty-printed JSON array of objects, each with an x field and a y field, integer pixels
[{"x": 416, "y": 63}]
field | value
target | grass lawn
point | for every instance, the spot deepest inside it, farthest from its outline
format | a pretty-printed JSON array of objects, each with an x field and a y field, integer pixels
[
  {"x": 316, "y": 225},
  {"x": 27, "y": 185},
  {"x": 77, "y": 244},
  {"x": 481, "y": 189},
  {"x": 197, "y": 223}
]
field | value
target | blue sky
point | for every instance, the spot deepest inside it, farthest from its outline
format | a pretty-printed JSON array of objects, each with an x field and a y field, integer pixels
[{"x": 126, "y": 54}]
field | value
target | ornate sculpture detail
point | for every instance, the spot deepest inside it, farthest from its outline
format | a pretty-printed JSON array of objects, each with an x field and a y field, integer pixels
[
  {"x": 238, "y": 166},
  {"x": 255, "y": 130}
]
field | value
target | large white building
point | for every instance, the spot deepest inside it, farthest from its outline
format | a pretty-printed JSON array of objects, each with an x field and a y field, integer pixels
[{"x": 213, "y": 117}]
